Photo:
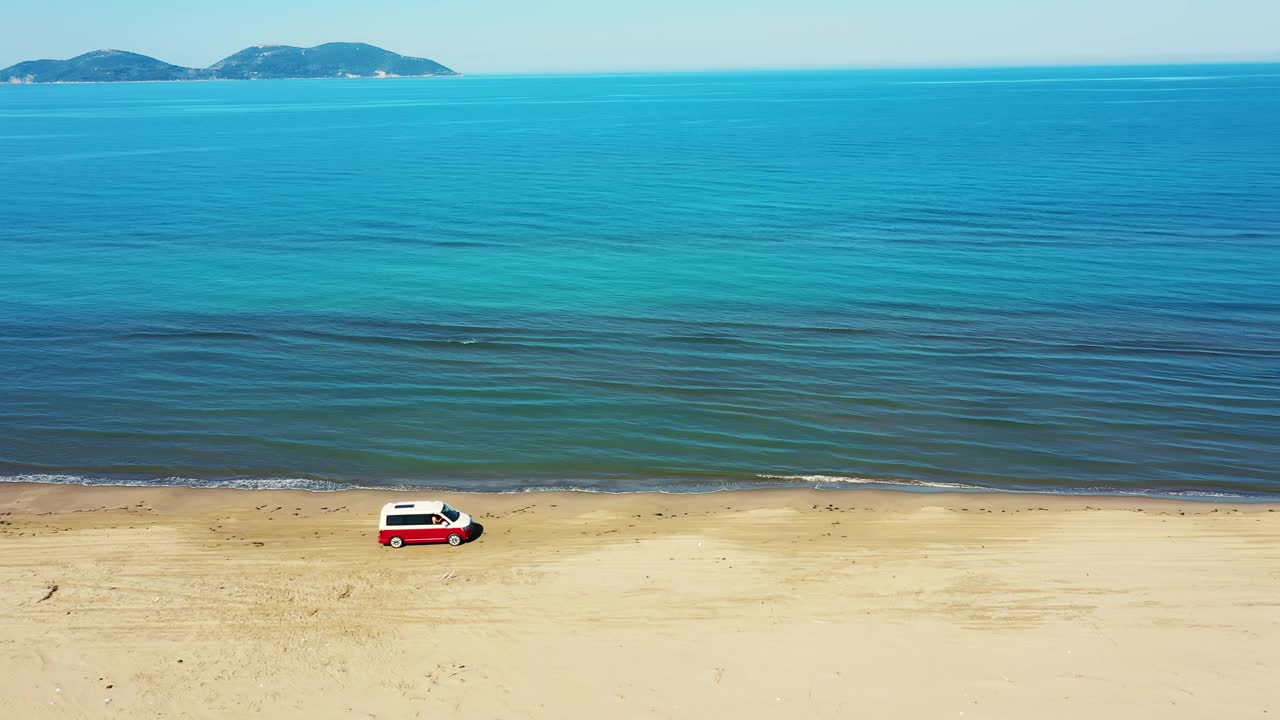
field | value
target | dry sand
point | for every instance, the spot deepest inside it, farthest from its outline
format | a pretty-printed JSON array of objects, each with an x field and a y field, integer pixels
[{"x": 174, "y": 603}]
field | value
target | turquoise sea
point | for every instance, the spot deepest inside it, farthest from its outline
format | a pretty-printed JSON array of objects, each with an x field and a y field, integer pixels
[{"x": 1060, "y": 279}]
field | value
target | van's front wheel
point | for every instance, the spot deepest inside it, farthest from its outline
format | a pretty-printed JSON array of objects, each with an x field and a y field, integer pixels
[
  {"x": 455, "y": 539},
  {"x": 396, "y": 542}
]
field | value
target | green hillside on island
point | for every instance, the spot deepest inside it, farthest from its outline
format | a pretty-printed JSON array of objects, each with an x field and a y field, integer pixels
[{"x": 262, "y": 62}]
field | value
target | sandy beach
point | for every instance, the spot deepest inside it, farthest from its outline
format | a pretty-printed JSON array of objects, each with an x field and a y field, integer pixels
[{"x": 176, "y": 603}]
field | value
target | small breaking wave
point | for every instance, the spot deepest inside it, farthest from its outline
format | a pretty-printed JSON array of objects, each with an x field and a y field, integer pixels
[
  {"x": 901, "y": 483},
  {"x": 309, "y": 484},
  {"x": 1182, "y": 494},
  {"x": 925, "y": 485}
]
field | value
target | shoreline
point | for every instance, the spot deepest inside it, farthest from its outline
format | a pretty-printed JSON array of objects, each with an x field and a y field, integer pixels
[
  {"x": 51, "y": 498},
  {"x": 833, "y": 485},
  {"x": 220, "y": 80}
]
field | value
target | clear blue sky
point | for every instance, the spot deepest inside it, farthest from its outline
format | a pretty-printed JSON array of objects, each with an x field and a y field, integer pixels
[{"x": 500, "y": 36}]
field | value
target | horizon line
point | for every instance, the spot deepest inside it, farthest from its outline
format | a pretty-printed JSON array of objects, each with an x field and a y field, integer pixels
[{"x": 874, "y": 68}]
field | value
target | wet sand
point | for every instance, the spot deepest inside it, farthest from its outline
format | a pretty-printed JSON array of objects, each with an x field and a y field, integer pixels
[{"x": 175, "y": 603}]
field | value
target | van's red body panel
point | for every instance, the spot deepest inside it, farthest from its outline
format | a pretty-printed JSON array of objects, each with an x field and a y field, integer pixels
[{"x": 415, "y": 535}]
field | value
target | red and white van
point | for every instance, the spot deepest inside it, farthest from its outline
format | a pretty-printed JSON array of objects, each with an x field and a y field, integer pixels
[{"x": 423, "y": 521}]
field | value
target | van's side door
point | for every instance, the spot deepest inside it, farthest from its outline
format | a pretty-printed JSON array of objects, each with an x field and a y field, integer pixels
[
  {"x": 436, "y": 533},
  {"x": 414, "y": 528}
]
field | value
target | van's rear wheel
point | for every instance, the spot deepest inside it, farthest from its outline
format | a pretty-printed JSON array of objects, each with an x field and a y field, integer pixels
[
  {"x": 396, "y": 542},
  {"x": 455, "y": 539}
]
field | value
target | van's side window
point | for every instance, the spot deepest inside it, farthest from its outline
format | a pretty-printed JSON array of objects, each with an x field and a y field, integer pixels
[{"x": 408, "y": 520}]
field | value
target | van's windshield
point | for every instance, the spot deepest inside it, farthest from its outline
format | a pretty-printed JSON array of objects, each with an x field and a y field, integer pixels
[{"x": 450, "y": 513}]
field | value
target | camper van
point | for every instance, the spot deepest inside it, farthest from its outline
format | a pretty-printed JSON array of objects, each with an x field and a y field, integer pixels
[{"x": 421, "y": 522}]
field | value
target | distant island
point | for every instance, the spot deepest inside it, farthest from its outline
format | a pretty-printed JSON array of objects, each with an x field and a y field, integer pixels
[{"x": 261, "y": 62}]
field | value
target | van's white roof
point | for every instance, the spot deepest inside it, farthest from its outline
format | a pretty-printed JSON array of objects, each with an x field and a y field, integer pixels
[{"x": 417, "y": 506}]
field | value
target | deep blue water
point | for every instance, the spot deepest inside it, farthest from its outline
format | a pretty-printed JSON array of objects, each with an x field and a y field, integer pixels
[{"x": 1063, "y": 279}]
